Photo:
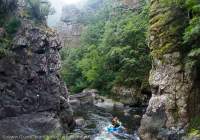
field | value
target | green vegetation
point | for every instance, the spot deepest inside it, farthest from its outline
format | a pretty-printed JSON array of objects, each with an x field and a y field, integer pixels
[
  {"x": 192, "y": 32},
  {"x": 114, "y": 50},
  {"x": 167, "y": 27},
  {"x": 194, "y": 128},
  {"x": 10, "y": 22},
  {"x": 39, "y": 9},
  {"x": 190, "y": 47},
  {"x": 192, "y": 28},
  {"x": 5, "y": 43},
  {"x": 12, "y": 26},
  {"x": 188, "y": 30},
  {"x": 56, "y": 136},
  {"x": 9, "y": 27}
]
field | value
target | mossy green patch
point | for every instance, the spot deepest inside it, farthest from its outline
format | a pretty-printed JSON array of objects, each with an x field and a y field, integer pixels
[
  {"x": 159, "y": 52},
  {"x": 5, "y": 43},
  {"x": 12, "y": 25},
  {"x": 194, "y": 127},
  {"x": 167, "y": 27},
  {"x": 56, "y": 137}
]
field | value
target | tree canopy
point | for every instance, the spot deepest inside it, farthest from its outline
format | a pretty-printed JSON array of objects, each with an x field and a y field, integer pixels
[{"x": 114, "y": 50}]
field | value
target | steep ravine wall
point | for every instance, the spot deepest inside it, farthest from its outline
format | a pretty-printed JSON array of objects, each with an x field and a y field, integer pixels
[
  {"x": 70, "y": 28},
  {"x": 133, "y": 4},
  {"x": 71, "y": 25},
  {"x": 169, "y": 110},
  {"x": 33, "y": 99}
]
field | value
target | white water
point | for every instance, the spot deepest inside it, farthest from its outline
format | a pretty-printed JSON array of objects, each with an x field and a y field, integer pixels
[{"x": 102, "y": 120}]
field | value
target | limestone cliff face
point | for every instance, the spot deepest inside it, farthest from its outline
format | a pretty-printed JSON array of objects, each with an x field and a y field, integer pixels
[
  {"x": 71, "y": 25},
  {"x": 168, "y": 112},
  {"x": 33, "y": 99},
  {"x": 70, "y": 28},
  {"x": 133, "y": 4}
]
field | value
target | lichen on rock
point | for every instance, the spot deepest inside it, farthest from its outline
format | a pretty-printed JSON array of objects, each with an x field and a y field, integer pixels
[{"x": 168, "y": 113}]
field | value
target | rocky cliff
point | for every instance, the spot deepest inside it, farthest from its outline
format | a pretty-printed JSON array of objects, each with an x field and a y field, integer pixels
[
  {"x": 33, "y": 99},
  {"x": 73, "y": 17},
  {"x": 175, "y": 98},
  {"x": 131, "y": 96},
  {"x": 72, "y": 22},
  {"x": 133, "y": 4},
  {"x": 70, "y": 28}
]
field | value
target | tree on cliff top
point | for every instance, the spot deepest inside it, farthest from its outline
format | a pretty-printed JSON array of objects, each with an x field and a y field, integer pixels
[
  {"x": 11, "y": 17},
  {"x": 40, "y": 9}
]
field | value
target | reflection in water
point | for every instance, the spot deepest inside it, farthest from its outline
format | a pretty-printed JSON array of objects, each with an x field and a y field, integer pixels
[{"x": 98, "y": 120}]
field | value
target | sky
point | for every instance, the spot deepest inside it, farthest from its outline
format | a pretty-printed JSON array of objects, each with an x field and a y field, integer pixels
[
  {"x": 57, "y": 5},
  {"x": 64, "y": 2}
]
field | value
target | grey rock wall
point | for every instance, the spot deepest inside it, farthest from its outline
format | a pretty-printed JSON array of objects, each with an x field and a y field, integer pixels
[
  {"x": 70, "y": 28},
  {"x": 33, "y": 99},
  {"x": 169, "y": 111}
]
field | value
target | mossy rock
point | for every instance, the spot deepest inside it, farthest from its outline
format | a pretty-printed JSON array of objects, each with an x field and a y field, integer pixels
[
  {"x": 166, "y": 26},
  {"x": 194, "y": 127},
  {"x": 13, "y": 25}
]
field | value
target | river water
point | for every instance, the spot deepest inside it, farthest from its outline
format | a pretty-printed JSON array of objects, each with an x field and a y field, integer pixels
[{"x": 98, "y": 119}]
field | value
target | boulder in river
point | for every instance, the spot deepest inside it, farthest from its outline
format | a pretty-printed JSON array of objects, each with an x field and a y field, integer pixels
[
  {"x": 108, "y": 104},
  {"x": 131, "y": 96},
  {"x": 80, "y": 121},
  {"x": 83, "y": 98},
  {"x": 75, "y": 103},
  {"x": 137, "y": 117},
  {"x": 118, "y": 105}
]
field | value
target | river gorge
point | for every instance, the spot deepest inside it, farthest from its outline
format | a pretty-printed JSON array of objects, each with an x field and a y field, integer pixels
[{"x": 137, "y": 60}]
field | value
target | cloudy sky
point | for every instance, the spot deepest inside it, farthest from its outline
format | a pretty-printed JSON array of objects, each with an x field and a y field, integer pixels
[{"x": 58, "y": 4}]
